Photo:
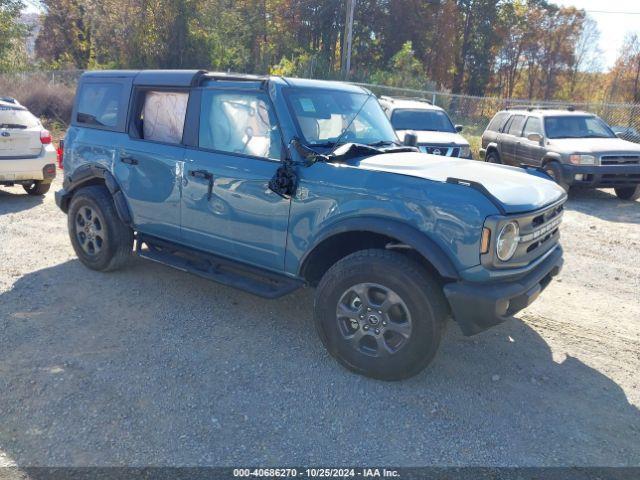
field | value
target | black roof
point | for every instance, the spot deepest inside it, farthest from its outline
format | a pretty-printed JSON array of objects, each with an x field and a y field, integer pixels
[{"x": 170, "y": 78}]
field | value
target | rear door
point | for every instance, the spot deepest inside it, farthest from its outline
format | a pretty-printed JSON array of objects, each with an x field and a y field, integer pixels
[
  {"x": 150, "y": 159},
  {"x": 528, "y": 151},
  {"x": 510, "y": 138},
  {"x": 227, "y": 206}
]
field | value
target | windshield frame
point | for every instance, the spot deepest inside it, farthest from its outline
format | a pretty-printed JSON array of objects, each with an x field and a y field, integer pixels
[
  {"x": 434, "y": 111},
  {"x": 366, "y": 98},
  {"x": 585, "y": 116}
]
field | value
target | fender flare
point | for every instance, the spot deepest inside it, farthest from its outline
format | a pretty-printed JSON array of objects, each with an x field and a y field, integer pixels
[
  {"x": 87, "y": 175},
  {"x": 406, "y": 234}
]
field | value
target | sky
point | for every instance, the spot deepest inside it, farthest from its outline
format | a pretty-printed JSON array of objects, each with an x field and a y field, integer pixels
[
  {"x": 623, "y": 18},
  {"x": 612, "y": 26}
]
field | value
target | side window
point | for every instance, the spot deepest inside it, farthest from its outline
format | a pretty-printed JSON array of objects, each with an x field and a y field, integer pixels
[
  {"x": 497, "y": 122},
  {"x": 516, "y": 125},
  {"x": 160, "y": 116},
  {"x": 534, "y": 125},
  {"x": 505, "y": 127},
  {"x": 99, "y": 104},
  {"x": 239, "y": 122}
]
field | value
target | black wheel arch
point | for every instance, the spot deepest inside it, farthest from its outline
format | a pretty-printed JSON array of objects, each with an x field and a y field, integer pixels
[
  {"x": 347, "y": 236},
  {"x": 86, "y": 175}
]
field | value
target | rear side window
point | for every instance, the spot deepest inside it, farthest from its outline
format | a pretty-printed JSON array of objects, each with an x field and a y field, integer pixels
[
  {"x": 99, "y": 104},
  {"x": 497, "y": 122},
  {"x": 516, "y": 125},
  {"x": 163, "y": 115}
]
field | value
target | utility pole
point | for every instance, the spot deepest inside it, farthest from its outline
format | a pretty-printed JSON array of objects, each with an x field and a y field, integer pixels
[{"x": 348, "y": 35}]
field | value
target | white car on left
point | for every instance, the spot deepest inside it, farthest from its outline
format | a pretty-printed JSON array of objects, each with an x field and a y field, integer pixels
[{"x": 27, "y": 156}]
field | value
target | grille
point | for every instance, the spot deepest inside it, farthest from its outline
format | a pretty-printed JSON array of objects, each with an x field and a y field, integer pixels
[
  {"x": 441, "y": 150},
  {"x": 539, "y": 233},
  {"x": 620, "y": 160}
]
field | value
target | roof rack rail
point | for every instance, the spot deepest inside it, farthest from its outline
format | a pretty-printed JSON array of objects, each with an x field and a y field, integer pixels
[
  {"x": 530, "y": 108},
  {"x": 400, "y": 97}
]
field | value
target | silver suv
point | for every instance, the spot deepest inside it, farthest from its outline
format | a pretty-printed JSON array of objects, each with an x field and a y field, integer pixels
[
  {"x": 577, "y": 149},
  {"x": 436, "y": 133}
]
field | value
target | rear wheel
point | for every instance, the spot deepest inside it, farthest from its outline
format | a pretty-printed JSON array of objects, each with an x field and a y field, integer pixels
[
  {"x": 100, "y": 239},
  {"x": 555, "y": 172},
  {"x": 37, "y": 187},
  {"x": 493, "y": 157},
  {"x": 380, "y": 314},
  {"x": 628, "y": 193}
]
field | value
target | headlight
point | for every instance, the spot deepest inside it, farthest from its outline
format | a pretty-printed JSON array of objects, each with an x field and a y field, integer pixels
[
  {"x": 507, "y": 241},
  {"x": 465, "y": 152},
  {"x": 582, "y": 159}
]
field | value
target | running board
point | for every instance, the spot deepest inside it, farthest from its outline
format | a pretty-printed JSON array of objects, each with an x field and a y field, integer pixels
[{"x": 251, "y": 279}]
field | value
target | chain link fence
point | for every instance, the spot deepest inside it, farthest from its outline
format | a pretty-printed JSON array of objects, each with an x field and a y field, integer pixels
[
  {"x": 474, "y": 113},
  {"x": 49, "y": 94}
]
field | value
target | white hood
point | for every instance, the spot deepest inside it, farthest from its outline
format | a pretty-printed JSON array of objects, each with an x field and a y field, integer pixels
[{"x": 515, "y": 188}]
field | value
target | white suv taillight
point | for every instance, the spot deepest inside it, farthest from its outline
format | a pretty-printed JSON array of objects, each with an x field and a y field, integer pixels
[{"x": 45, "y": 137}]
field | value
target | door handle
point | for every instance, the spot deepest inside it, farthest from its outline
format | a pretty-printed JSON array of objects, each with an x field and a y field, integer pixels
[
  {"x": 128, "y": 159},
  {"x": 207, "y": 176}
]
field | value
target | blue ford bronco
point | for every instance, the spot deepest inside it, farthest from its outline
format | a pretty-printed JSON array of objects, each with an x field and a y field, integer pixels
[{"x": 269, "y": 184}]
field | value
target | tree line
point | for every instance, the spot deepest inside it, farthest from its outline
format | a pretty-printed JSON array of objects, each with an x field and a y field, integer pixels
[{"x": 513, "y": 49}]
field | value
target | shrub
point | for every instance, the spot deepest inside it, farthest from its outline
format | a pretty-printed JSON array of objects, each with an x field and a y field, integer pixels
[{"x": 49, "y": 102}]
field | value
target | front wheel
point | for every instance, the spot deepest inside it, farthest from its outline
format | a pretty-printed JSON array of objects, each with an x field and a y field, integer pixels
[
  {"x": 37, "y": 187},
  {"x": 628, "y": 193},
  {"x": 380, "y": 314},
  {"x": 555, "y": 172},
  {"x": 493, "y": 157}
]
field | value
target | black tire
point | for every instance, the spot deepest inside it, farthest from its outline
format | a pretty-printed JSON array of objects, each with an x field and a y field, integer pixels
[
  {"x": 38, "y": 187},
  {"x": 92, "y": 214},
  {"x": 555, "y": 172},
  {"x": 628, "y": 193},
  {"x": 421, "y": 296},
  {"x": 493, "y": 157}
]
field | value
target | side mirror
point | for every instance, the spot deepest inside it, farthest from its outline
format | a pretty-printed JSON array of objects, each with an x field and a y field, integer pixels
[
  {"x": 535, "y": 137},
  {"x": 620, "y": 135},
  {"x": 410, "y": 139},
  {"x": 459, "y": 128}
]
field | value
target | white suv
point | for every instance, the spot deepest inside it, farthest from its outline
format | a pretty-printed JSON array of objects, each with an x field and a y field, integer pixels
[
  {"x": 435, "y": 131},
  {"x": 27, "y": 156}
]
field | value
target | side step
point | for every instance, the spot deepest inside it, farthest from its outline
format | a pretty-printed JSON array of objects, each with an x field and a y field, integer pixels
[{"x": 257, "y": 281}]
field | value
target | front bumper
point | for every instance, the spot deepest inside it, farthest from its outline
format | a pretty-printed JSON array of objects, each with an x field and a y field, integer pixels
[
  {"x": 601, "y": 176},
  {"x": 479, "y": 306}
]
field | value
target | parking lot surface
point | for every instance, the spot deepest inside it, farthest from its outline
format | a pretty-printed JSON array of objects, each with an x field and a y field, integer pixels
[{"x": 152, "y": 366}]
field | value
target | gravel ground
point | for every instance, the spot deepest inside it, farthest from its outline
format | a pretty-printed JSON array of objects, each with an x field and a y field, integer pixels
[{"x": 151, "y": 366}]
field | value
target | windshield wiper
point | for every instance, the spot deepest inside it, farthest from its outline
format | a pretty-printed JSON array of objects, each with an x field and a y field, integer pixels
[
  {"x": 12, "y": 125},
  {"x": 90, "y": 119},
  {"x": 382, "y": 143}
]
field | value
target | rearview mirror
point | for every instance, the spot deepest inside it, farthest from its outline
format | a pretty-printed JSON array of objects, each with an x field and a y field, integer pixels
[
  {"x": 534, "y": 137},
  {"x": 410, "y": 139},
  {"x": 459, "y": 128}
]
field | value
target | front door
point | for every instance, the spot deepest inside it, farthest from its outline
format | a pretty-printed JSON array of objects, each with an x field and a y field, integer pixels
[
  {"x": 531, "y": 152},
  {"x": 227, "y": 207}
]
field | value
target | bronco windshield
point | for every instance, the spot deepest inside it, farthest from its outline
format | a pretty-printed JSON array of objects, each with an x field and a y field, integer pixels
[
  {"x": 322, "y": 116},
  {"x": 422, "y": 120},
  {"x": 574, "y": 126}
]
